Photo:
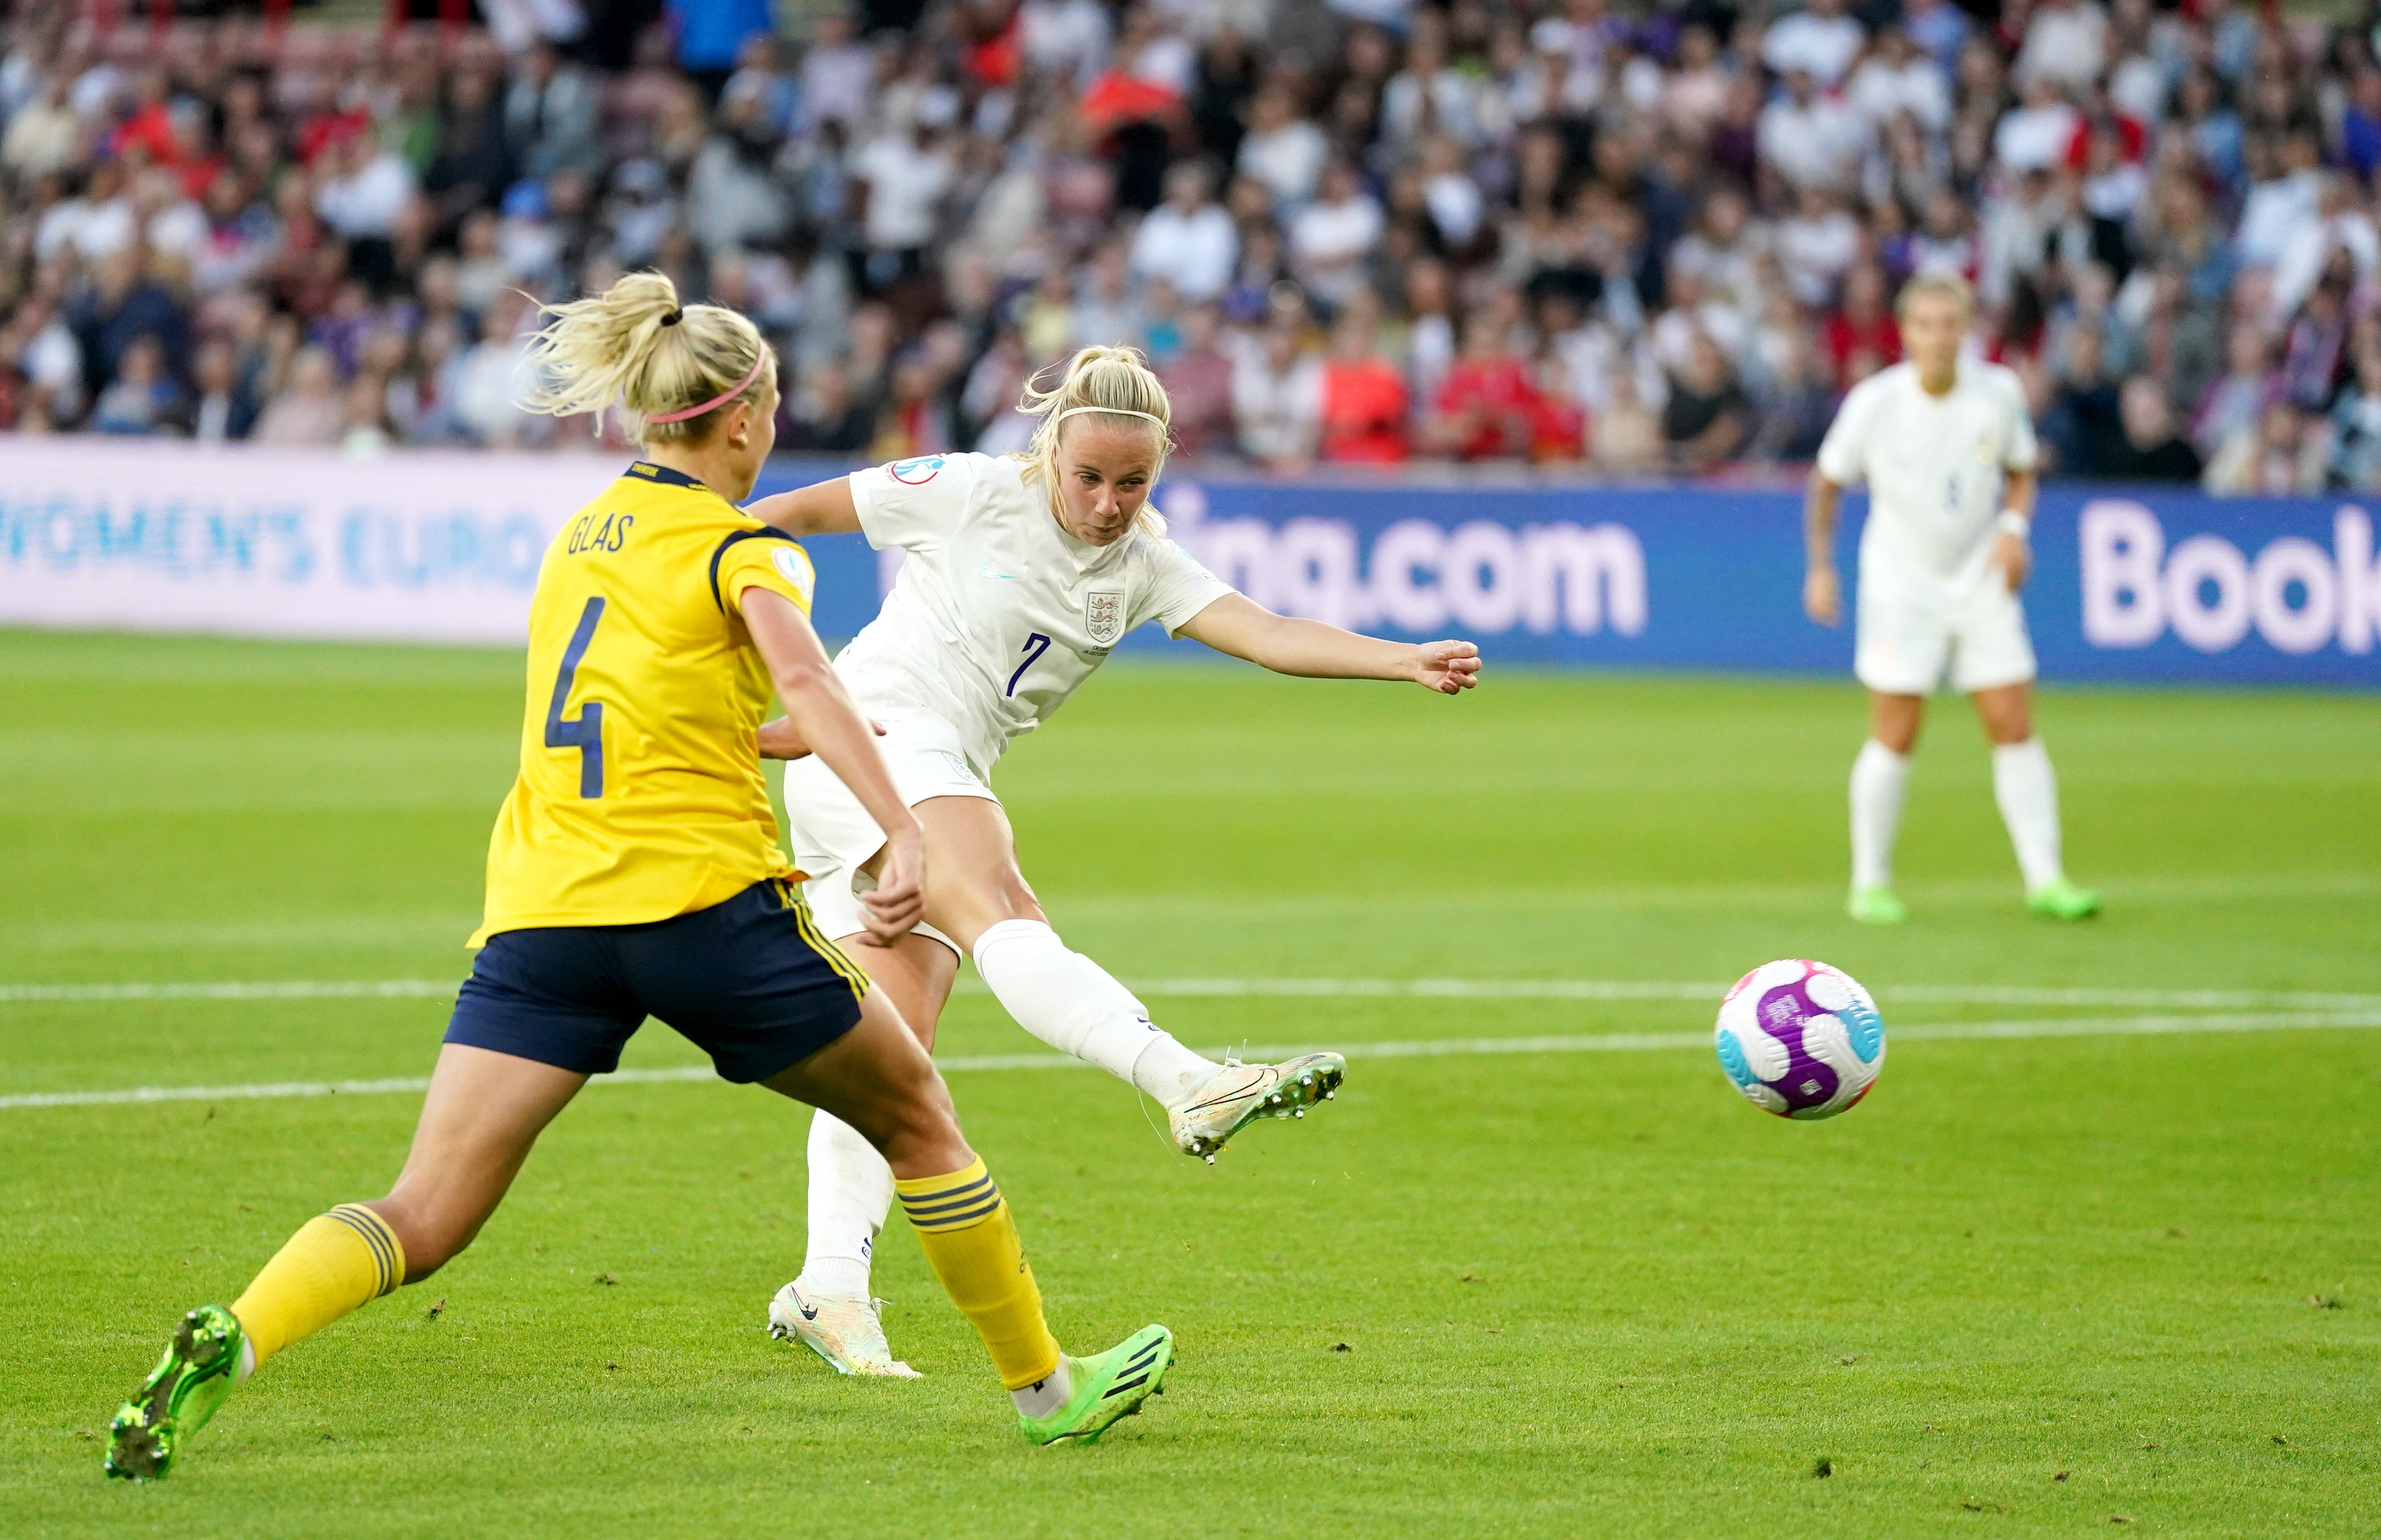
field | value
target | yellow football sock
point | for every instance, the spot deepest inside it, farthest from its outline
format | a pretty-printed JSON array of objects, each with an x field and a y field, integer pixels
[
  {"x": 964, "y": 1224},
  {"x": 337, "y": 1262}
]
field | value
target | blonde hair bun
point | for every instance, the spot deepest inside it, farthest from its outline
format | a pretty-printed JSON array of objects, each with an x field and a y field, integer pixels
[
  {"x": 635, "y": 346},
  {"x": 1099, "y": 380}
]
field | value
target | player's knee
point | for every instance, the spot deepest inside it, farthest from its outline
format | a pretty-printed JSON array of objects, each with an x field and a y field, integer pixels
[
  {"x": 1894, "y": 721},
  {"x": 1896, "y": 733},
  {"x": 431, "y": 1239},
  {"x": 1017, "y": 895},
  {"x": 975, "y": 902},
  {"x": 2008, "y": 717},
  {"x": 919, "y": 1132}
]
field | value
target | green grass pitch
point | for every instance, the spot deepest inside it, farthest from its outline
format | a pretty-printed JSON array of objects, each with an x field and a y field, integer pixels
[{"x": 2035, "y": 1284}]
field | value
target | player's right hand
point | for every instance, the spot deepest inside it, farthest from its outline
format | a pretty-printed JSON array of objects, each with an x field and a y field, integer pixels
[
  {"x": 2014, "y": 557},
  {"x": 1822, "y": 595},
  {"x": 898, "y": 902}
]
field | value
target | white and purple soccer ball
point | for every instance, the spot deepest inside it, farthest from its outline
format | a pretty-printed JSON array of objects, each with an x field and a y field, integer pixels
[{"x": 1801, "y": 1039}]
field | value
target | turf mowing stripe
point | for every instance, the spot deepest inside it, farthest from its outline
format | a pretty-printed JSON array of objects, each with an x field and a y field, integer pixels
[
  {"x": 1459, "y": 989},
  {"x": 1949, "y": 1031}
]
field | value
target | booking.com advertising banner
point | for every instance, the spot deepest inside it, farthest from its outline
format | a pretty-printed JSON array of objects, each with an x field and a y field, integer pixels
[{"x": 2129, "y": 584}]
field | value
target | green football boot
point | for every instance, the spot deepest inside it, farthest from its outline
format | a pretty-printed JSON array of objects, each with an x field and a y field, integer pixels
[
  {"x": 2063, "y": 901},
  {"x": 200, "y": 1365},
  {"x": 1108, "y": 1388},
  {"x": 1877, "y": 905},
  {"x": 1237, "y": 1095}
]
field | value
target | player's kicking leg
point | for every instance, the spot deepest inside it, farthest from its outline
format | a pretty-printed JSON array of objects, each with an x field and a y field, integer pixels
[
  {"x": 1073, "y": 1004},
  {"x": 979, "y": 898},
  {"x": 2027, "y": 791}
]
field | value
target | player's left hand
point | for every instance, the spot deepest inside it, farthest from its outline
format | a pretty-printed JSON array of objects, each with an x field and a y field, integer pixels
[
  {"x": 779, "y": 741},
  {"x": 2014, "y": 557},
  {"x": 1446, "y": 666},
  {"x": 899, "y": 900}
]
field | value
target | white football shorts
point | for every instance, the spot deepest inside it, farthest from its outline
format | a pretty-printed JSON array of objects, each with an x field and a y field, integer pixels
[
  {"x": 832, "y": 835},
  {"x": 1907, "y": 638}
]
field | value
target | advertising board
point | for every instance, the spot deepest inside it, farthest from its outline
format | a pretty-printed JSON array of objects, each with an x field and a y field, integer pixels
[{"x": 2129, "y": 584}]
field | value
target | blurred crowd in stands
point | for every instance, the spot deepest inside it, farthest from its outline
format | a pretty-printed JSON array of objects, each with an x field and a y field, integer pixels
[{"x": 1597, "y": 233}]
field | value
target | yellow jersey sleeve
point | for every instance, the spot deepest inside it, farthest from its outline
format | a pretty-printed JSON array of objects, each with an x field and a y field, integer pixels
[{"x": 761, "y": 558}]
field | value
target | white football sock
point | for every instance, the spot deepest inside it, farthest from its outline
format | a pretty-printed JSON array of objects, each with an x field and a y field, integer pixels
[
  {"x": 247, "y": 1361},
  {"x": 1879, "y": 779},
  {"x": 1045, "y": 1395},
  {"x": 1070, "y": 1002},
  {"x": 851, "y": 1191},
  {"x": 2027, "y": 791}
]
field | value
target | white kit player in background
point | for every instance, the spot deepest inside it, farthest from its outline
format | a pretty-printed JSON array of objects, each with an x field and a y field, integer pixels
[
  {"x": 1019, "y": 574},
  {"x": 1948, "y": 452}
]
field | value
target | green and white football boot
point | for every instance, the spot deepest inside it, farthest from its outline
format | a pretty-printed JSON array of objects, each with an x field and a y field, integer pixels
[
  {"x": 1237, "y": 1095},
  {"x": 2062, "y": 899},
  {"x": 1877, "y": 905},
  {"x": 200, "y": 1365},
  {"x": 1108, "y": 1388},
  {"x": 846, "y": 1331}
]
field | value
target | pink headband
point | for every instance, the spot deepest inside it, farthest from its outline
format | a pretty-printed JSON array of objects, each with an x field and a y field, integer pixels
[{"x": 719, "y": 400}]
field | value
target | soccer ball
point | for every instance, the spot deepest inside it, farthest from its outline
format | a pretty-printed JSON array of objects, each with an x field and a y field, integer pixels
[{"x": 1801, "y": 1039}]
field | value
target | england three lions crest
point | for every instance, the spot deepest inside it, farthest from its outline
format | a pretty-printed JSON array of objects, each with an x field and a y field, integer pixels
[{"x": 1104, "y": 616}]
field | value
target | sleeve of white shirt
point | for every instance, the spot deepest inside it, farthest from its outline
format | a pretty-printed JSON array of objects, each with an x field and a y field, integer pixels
[
  {"x": 1178, "y": 588},
  {"x": 2023, "y": 453},
  {"x": 1843, "y": 454},
  {"x": 915, "y": 503}
]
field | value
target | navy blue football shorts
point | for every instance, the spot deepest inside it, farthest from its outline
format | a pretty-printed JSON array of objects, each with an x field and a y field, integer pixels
[{"x": 749, "y": 981}]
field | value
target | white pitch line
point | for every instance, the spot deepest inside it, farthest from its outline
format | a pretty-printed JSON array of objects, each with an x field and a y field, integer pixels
[
  {"x": 1617, "y": 989},
  {"x": 2105, "y": 1026},
  {"x": 1188, "y": 988},
  {"x": 277, "y": 989},
  {"x": 274, "y": 1090},
  {"x": 1623, "y": 1042}
]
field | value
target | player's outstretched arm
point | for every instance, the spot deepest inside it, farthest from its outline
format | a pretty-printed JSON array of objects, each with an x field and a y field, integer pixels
[
  {"x": 822, "y": 507},
  {"x": 1313, "y": 650},
  {"x": 1823, "y": 588},
  {"x": 821, "y": 714}
]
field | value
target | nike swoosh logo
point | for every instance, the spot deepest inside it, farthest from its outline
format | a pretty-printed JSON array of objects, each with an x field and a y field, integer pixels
[
  {"x": 986, "y": 572},
  {"x": 810, "y": 1313}
]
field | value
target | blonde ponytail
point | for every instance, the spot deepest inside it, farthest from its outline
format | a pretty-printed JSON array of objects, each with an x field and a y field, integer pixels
[
  {"x": 1111, "y": 381},
  {"x": 633, "y": 345}
]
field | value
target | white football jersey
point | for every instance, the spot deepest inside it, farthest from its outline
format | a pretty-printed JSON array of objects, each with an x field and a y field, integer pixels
[
  {"x": 1933, "y": 465},
  {"x": 998, "y": 614}
]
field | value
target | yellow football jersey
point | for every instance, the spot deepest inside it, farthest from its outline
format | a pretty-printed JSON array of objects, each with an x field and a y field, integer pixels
[{"x": 639, "y": 795}]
